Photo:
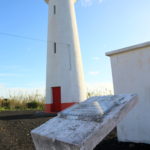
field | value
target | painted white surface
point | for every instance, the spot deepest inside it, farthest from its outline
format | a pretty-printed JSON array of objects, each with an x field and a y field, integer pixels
[
  {"x": 128, "y": 49},
  {"x": 64, "y": 68},
  {"x": 131, "y": 74},
  {"x": 83, "y": 129}
]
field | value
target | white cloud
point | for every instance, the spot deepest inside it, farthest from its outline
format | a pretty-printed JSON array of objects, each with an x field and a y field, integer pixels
[
  {"x": 28, "y": 89},
  {"x": 100, "y": 1},
  {"x": 36, "y": 85},
  {"x": 9, "y": 67},
  {"x": 96, "y": 58},
  {"x": 103, "y": 88},
  {"x": 94, "y": 73},
  {"x": 1, "y": 85},
  {"x": 87, "y": 3},
  {"x": 100, "y": 85},
  {"x": 14, "y": 68},
  {"x": 11, "y": 92},
  {"x": 9, "y": 75}
]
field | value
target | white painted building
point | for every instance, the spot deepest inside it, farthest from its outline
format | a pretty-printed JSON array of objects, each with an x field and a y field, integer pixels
[
  {"x": 65, "y": 79},
  {"x": 131, "y": 74}
]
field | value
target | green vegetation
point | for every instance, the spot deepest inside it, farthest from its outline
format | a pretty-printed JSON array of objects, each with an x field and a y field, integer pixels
[
  {"x": 36, "y": 101},
  {"x": 22, "y": 102}
]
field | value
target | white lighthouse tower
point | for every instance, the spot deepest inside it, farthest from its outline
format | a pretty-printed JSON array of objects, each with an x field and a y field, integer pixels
[{"x": 65, "y": 79}]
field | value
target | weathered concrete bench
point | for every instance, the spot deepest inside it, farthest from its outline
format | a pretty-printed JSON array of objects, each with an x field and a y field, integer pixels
[{"x": 84, "y": 125}]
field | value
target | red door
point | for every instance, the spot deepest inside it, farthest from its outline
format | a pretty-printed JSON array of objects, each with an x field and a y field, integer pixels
[{"x": 56, "y": 95}]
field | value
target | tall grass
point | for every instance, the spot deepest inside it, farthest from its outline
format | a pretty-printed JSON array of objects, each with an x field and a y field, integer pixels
[
  {"x": 35, "y": 101},
  {"x": 22, "y": 102},
  {"x": 99, "y": 92}
]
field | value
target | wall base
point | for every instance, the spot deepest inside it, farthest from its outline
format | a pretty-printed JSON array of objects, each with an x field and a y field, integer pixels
[{"x": 49, "y": 108}]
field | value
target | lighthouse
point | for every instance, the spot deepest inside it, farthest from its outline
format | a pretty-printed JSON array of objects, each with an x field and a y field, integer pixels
[{"x": 65, "y": 84}]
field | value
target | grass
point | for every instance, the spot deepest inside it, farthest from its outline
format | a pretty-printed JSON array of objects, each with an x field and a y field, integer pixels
[
  {"x": 22, "y": 102},
  {"x": 99, "y": 92},
  {"x": 36, "y": 101}
]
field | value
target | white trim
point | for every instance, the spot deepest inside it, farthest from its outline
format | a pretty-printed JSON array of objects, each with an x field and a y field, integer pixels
[{"x": 127, "y": 49}]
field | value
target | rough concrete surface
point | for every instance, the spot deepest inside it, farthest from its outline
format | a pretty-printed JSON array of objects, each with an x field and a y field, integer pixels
[{"x": 84, "y": 125}]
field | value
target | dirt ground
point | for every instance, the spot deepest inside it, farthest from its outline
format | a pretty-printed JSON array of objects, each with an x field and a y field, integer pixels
[{"x": 15, "y": 130}]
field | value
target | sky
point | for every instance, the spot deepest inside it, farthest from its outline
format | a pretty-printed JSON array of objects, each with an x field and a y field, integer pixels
[{"x": 103, "y": 25}]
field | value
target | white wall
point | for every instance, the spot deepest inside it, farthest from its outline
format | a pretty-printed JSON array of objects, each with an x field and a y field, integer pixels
[
  {"x": 64, "y": 68},
  {"x": 131, "y": 74}
]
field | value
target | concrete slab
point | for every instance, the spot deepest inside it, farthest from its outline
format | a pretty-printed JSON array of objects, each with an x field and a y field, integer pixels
[{"x": 84, "y": 125}]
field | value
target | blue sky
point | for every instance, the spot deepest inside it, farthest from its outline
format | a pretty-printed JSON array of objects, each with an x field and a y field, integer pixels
[{"x": 103, "y": 25}]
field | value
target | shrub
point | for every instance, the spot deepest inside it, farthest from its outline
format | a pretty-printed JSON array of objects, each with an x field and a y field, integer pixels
[
  {"x": 22, "y": 102},
  {"x": 32, "y": 104},
  {"x": 6, "y": 104}
]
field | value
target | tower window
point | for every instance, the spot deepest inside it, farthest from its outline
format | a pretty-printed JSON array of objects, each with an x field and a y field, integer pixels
[
  {"x": 54, "y": 9},
  {"x": 55, "y": 47}
]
